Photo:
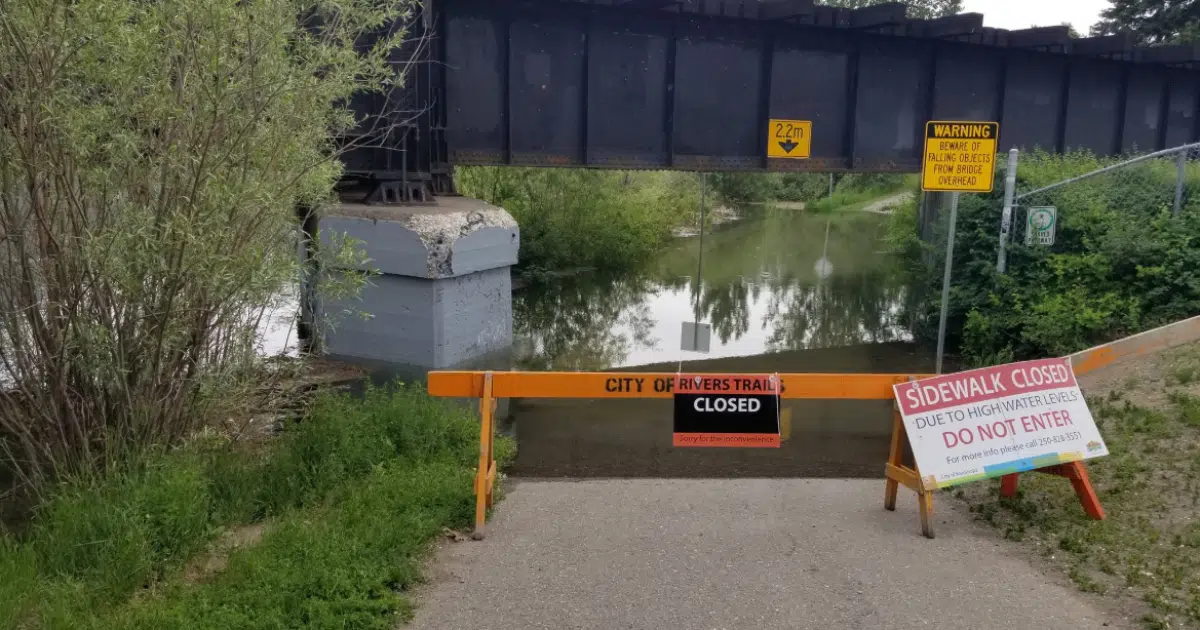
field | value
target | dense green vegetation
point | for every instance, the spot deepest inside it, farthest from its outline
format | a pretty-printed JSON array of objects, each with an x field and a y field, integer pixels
[
  {"x": 153, "y": 158},
  {"x": 1122, "y": 263},
  {"x": 810, "y": 188},
  {"x": 916, "y": 8},
  {"x": 347, "y": 501},
  {"x": 855, "y": 191},
  {"x": 582, "y": 218},
  {"x": 611, "y": 220},
  {"x": 763, "y": 187},
  {"x": 1152, "y": 21}
]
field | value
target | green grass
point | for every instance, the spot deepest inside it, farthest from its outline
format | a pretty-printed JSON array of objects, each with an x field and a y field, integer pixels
[
  {"x": 855, "y": 194},
  {"x": 350, "y": 498},
  {"x": 1149, "y": 546},
  {"x": 850, "y": 200}
]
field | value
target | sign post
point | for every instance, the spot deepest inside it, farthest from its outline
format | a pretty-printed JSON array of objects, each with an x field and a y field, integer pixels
[
  {"x": 727, "y": 410},
  {"x": 959, "y": 157},
  {"x": 941, "y": 340},
  {"x": 1010, "y": 189}
]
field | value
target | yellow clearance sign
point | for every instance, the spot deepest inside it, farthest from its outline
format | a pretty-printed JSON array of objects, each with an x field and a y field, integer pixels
[
  {"x": 959, "y": 156},
  {"x": 789, "y": 139}
]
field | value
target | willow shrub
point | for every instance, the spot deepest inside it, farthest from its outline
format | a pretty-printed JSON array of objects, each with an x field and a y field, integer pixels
[
  {"x": 152, "y": 155},
  {"x": 584, "y": 218}
]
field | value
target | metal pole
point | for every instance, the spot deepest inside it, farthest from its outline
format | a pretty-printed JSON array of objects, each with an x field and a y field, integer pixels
[
  {"x": 831, "y": 185},
  {"x": 1183, "y": 154},
  {"x": 1010, "y": 188},
  {"x": 700, "y": 259},
  {"x": 941, "y": 343}
]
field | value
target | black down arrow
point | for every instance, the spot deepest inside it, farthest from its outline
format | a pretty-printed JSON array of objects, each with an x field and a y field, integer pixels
[{"x": 788, "y": 146}]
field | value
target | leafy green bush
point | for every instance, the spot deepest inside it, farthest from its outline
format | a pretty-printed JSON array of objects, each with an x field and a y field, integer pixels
[
  {"x": 345, "y": 438},
  {"x": 583, "y": 218},
  {"x": 163, "y": 154},
  {"x": 1121, "y": 264}
]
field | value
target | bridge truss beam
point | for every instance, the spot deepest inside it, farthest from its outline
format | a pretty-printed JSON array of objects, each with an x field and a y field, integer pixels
[{"x": 691, "y": 85}]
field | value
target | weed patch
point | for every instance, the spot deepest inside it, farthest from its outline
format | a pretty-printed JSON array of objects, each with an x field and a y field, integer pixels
[
  {"x": 1148, "y": 548},
  {"x": 350, "y": 498}
]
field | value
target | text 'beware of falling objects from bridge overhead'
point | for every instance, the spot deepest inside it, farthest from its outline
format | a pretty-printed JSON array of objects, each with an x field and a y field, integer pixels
[{"x": 959, "y": 156}]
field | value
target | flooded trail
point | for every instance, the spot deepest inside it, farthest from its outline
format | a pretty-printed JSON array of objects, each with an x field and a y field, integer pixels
[{"x": 780, "y": 295}]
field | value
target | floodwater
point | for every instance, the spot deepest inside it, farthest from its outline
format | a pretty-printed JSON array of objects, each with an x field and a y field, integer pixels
[{"x": 784, "y": 291}]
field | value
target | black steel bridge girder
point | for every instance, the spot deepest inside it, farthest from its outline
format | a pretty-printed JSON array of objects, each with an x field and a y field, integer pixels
[{"x": 573, "y": 84}]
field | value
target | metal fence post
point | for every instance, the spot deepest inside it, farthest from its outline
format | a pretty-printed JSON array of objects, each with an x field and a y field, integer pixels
[
  {"x": 941, "y": 342},
  {"x": 1010, "y": 188},
  {"x": 1183, "y": 155}
]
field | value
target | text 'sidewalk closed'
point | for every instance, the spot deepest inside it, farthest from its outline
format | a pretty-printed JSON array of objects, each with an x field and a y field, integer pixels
[{"x": 997, "y": 421}]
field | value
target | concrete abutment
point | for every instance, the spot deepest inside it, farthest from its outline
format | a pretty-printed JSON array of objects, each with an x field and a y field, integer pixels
[{"x": 443, "y": 294}]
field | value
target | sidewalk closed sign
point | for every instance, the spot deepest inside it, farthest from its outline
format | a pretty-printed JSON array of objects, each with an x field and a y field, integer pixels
[
  {"x": 995, "y": 421},
  {"x": 727, "y": 410}
]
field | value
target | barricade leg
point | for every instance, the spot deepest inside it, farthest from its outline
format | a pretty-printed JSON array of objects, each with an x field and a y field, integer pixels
[
  {"x": 897, "y": 473},
  {"x": 491, "y": 457},
  {"x": 925, "y": 502},
  {"x": 1076, "y": 472},
  {"x": 894, "y": 459},
  {"x": 1008, "y": 485},
  {"x": 486, "y": 470}
]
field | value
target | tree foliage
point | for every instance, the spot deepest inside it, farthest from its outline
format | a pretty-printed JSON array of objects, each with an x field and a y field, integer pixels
[
  {"x": 925, "y": 9},
  {"x": 1152, "y": 21},
  {"x": 585, "y": 218},
  {"x": 152, "y": 155}
]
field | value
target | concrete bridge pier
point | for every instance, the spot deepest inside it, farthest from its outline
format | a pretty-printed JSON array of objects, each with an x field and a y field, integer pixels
[{"x": 442, "y": 298}]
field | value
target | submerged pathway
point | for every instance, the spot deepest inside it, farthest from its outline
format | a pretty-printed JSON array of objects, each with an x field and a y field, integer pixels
[{"x": 755, "y": 554}]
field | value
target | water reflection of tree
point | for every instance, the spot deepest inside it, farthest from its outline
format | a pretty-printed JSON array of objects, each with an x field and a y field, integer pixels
[
  {"x": 583, "y": 323},
  {"x": 726, "y": 306},
  {"x": 844, "y": 310},
  {"x": 594, "y": 322}
]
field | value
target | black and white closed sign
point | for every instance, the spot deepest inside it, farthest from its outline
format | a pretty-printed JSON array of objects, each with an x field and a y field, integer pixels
[{"x": 727, "y": 410}]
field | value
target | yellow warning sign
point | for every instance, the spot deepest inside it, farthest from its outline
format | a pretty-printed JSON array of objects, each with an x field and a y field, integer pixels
[
  {"x": 789, "y": 139},
  {"x": 959, "y": 156}
]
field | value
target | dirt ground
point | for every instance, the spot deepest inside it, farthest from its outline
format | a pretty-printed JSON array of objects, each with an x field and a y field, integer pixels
[{"x": 1146, "y": 555}]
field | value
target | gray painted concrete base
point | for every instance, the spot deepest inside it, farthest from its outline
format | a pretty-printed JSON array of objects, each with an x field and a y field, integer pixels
[
  {"x": 443, "y": 296},
  {"x": 428, "y": 323}
]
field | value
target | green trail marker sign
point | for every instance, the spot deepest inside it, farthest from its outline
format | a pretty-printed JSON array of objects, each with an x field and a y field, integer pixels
[{"x": 1040, "y": 226}]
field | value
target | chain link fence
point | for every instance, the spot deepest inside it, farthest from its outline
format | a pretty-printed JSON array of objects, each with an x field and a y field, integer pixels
[{"x": 1143, "y": 188}]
